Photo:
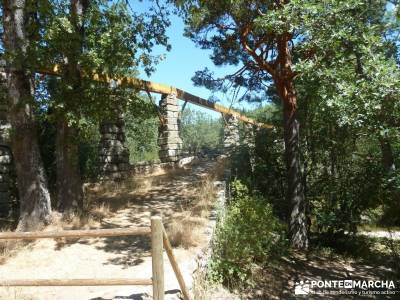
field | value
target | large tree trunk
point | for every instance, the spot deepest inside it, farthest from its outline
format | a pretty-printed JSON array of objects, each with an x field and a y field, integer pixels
[
  {"x": 69, "y": 185},
  {"x": 298, "y": 225},
  {"x": 34, "y": 196},
  {"x": 69, "y": 182},
  {"x": 392, "y": 205},
  {"x": 387, "y": 155}
]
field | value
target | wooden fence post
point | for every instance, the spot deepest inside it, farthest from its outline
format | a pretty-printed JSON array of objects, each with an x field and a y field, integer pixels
[
  {"x": 157, "y": 258},
  {"x": 174, "y": 264}
]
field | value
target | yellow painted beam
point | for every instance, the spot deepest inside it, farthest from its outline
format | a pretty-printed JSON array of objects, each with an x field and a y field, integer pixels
[{"x": 160, "y": 88}]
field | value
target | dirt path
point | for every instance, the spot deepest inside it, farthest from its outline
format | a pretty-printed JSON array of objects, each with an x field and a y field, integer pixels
[{"x": 129, "y": 205}]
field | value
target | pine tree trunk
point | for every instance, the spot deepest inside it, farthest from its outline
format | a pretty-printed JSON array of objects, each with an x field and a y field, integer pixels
[
  {"x": 34, "y": 196},
  {"x": 298, "y": 221},
  {"x": 69, "y": 185},
  {"x": 298, "y": 226}
]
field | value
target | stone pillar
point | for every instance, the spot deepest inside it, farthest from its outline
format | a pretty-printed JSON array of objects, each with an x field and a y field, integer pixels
[
  {"x": 231, "y": 134},
  {"x": 113, "y": 153},
  {"x": 169, "y": 139},
  {"x": 8, "y": 198},
  {"x": 249, "y": 142}
]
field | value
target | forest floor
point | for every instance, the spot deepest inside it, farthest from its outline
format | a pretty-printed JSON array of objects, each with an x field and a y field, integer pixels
[
  {"x": 361, "y": 257},
  {"x": 182, "y": 197}
]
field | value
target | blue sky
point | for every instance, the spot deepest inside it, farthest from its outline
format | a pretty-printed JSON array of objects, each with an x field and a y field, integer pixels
[{"x": 183, "y": 61}]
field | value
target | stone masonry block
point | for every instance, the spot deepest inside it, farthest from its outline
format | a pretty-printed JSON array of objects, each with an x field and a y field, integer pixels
[
  {"x": 4, "y": 178},
  {"x": 167, "y": 141},
  {"x": 4, "y": 169},
  {"x": 172, "y": 127},
  {"x": 170, "y": 134},
  {"x": 171, "y": 146},
  {"x": 172, "y": 108},
  {"x": 112, "y": 144},
  {"x": 168, "y": 99},
  {"x": 170, "y": 152},
  {"x": 171, "y": 121},
  {"x": 5, "y": 159},
  {"x": 105, "y": 128},
  {"x": 110, "y": 167}
]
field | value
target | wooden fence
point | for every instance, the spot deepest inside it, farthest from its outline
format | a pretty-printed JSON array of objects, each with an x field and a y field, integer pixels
[{"x": 159, "y": 241}]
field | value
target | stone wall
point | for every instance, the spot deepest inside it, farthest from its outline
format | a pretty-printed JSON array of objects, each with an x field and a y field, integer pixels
[
  {"x": 156, "y": 166},
  {"x": 113, "y": 153},
  {"x": 204, "y": 255},
  {"x": 7, "y": 176},
  {"x": 231, "y": 134},
  {"x": 150, "y": 167},
  {"x": 169, "y": 139}
]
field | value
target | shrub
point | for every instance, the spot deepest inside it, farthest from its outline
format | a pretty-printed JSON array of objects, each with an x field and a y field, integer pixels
[
  {"x": 200, "y": 132},
  {"x": 141, "y": 137},
  {"x": 248, "y": 235},
  {"x": 89, "y": 138}
]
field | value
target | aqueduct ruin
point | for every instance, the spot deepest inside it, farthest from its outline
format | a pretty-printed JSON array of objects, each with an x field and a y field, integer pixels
[{"x": 113, "y": 153}]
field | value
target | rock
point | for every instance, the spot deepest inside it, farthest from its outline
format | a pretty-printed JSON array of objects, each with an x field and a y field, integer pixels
[{"x": 187, "y": 160}]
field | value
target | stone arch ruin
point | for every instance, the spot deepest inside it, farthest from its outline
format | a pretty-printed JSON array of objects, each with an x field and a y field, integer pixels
[{"x": 113, "y": 152}]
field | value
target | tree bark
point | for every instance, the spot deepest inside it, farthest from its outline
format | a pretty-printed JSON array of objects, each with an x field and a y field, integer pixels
[
  {"x": 392, "y": 206},
  {"x": 69, "y": 184},
  {"x": 35, "y": 207},
  {"x": 387, "y": 155},
  {"x": 69, "y": 181},
  {"x": 282, "y": 74},
  {"x": 298, "y": 225}
]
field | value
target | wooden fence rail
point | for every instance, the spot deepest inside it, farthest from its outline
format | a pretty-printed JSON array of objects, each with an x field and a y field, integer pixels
[
  {"x": 159, "y": 240},
  {"x": 76, "y": 282},
  {"x": 75, "y": 233}
]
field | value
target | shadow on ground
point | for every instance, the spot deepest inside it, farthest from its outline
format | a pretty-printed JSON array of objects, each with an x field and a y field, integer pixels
[
  {"x": 355, "y": 259},
  {"x": 168, "y": 195}
]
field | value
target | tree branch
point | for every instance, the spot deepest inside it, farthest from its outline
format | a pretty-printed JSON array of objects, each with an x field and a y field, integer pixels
[{"x": 259, "y": 59}]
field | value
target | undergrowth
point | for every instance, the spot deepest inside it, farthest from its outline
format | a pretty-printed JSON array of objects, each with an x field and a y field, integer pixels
[{"x": 248, "y": 236}]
